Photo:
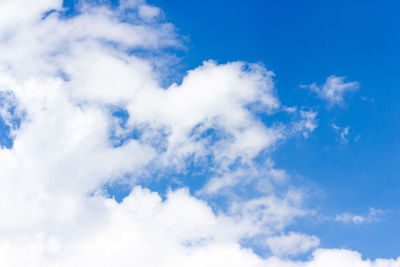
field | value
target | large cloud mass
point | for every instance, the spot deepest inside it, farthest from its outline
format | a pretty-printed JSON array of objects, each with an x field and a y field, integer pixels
[{"x": 83, "y": 105}]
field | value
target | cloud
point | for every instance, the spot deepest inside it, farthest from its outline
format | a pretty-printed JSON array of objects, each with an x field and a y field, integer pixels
[
  {"x": 371, "y": 100},
  {"x": 333, "y": 90},
  {"x": 349, "y": 218},
  {"x": 64, "y": 80},
  {"x": 342, "y": 132},
  {"x": 147, "y": 12},
  {"x": 341, "y": 257},
  {"x": 264, "y": 179},
  {"x": 102, "y": 232},
  {"x": 292, "y": 244},
  {"x": 308, "y": 122},
  {"x": 372, "y": 216}
]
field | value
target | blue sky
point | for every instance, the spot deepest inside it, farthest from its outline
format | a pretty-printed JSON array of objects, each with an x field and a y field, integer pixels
[{"x": 264, "y": 130}]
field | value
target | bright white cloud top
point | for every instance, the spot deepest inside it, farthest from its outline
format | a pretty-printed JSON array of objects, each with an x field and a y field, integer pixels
[{"x": 62, "y": 79}]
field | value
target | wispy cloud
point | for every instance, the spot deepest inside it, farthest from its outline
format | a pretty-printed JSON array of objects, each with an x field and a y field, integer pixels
[
  {"x": 372, "y": 216},
  {"x": 371, "y": 100},
  {"x": 342, "y": 132},
  {"x": 333, "y": 90}
]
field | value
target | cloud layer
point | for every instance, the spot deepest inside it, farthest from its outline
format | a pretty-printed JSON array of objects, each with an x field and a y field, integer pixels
[{"x": 83, "y": 100}]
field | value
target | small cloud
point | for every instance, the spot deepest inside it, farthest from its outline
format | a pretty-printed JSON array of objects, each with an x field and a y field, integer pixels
[
  {"x": 349, "y": 218},
  {"x": 371, "y": 100},
  {"x": 372, "y": 216},
  {"x": 290, "y": 109},
  {"x": 309, "y": 120},
  {"x": 333, "y": 90},
  {"x": 306, "y": 121},
  {"x": 342, "y": 132}
]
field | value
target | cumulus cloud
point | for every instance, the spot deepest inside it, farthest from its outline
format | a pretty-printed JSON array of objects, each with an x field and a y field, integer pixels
[
  {"x": 64, "y": 83},
  {"x": 100, "y": 232},
  {"x": 333, "y": 90},
  {"x": 341, "y": 257}
]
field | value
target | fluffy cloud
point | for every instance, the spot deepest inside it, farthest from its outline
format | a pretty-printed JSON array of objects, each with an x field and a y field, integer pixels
[
  {"x": 63, "y": 81},
  {"x": 341, "y": 257},
  {"x": 144, "y": 230}
]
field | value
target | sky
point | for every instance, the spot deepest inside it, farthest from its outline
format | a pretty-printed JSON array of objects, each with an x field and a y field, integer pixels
[{"x": 199, "y": 133}]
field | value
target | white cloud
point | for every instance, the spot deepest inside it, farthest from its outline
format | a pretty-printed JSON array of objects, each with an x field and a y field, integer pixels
[
  {"x": 64, "y": 77},
  {"x": 97, "y": 231},
  {"x": 372, "y": 216},
  {"x": 341, "y": 257},
  {"x": 349, "y": 218},
  {"x": 148, "y": 12},
  {"x": 292, "y": 244},
  {"x": 371, "y": 100},
  {"x": 342, "y": 132},
  {"x": 308, "y": 122},
  {"x": 333, "y": 90},
  {"x": 265, "y": 179}
]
